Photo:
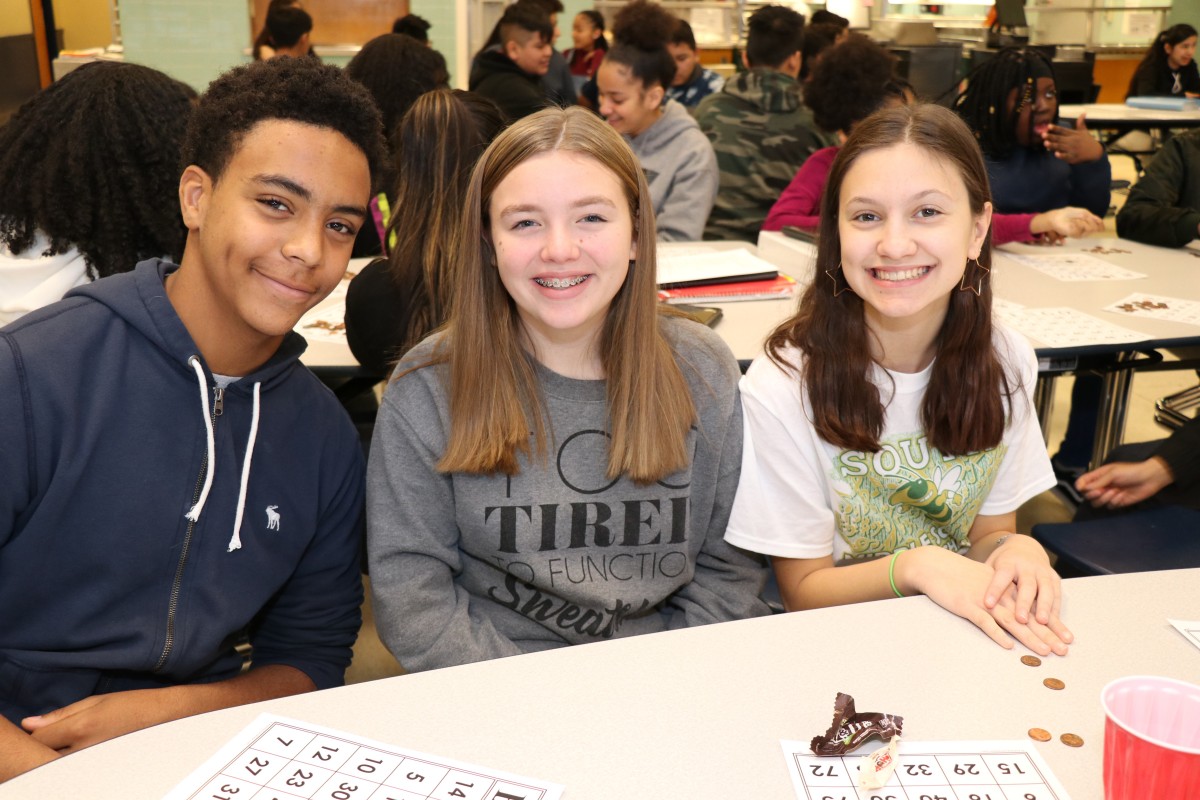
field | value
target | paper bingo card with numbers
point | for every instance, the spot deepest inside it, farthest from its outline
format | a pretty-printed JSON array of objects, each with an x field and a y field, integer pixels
[
  {"x": 983, "y": 770},
  {"x": 275, "y": 758}
]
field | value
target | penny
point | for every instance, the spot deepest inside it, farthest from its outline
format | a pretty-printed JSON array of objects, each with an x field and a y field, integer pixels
[
  {"x": 1053, "y": 683},
  {"x": 1039, "y": 734},
  {"x": 1031, "y": 661},
  {"x": 1072, "y": 740}
]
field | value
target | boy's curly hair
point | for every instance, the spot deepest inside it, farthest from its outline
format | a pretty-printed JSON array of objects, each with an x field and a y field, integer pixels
[
  {"x": 93, "y": 163},
  {"x": 295, "y": 89}
]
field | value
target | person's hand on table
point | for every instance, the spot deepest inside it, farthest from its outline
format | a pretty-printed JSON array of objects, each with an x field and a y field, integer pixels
[
  {"x": 19, "y": 752},
  {"x": 960, "y": 585},
  {"x": 1121, "y": 483},
  {"x": 1021, "y": 564},
  {"x": 100, "y": 717},
  {"x": 1073, "y": 145},
  {"x": 1052, "y": 227}
]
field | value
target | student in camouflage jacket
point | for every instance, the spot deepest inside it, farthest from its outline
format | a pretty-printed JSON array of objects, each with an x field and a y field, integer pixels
[{"x": 759, "y": 127}]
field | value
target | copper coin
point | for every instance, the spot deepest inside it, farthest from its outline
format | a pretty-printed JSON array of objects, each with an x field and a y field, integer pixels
[
  {"x": 1039, "y": 734},
  {"x": 1053, "y": 683},
  {"x": 1031, "y": 661},
  {"x": 1071, "y": 740}
]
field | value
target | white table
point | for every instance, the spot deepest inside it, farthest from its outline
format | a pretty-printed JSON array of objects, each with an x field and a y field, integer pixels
[
  {"x": 699, "y": 713},
  {"x": 1120, "y": 117}
]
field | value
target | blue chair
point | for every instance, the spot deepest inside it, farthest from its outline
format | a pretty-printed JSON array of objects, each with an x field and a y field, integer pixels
[{"x": 1139, "y": 541}]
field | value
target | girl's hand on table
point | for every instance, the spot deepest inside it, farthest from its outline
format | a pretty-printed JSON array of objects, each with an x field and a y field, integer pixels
[
  {"x": 1022, "y": 568},
  {"x": 1062, "y": 223}
]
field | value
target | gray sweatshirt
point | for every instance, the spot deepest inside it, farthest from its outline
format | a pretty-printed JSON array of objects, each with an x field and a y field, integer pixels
[
  {"x": 469, "y": 567},
  {"x": 681, "y": 167}
]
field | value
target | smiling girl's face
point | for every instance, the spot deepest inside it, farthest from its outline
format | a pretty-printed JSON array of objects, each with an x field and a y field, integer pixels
[
  {"x": 563, "y": 236},
  {"x": 907, "y": 230}
]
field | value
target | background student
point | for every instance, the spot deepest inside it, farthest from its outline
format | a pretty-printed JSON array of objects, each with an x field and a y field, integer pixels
[
  {"x": 289, "y": 28},
  {"x": 1169, "y": 66},
  {"x": 556, "y": 82},
  {"x": 396, "y": 69},
  {"x": 213, "y": 488},
  {"x": 510, "y": 74},
  {"x": 587, "y": 33},
  {"x": 394, "y": 303},
  {"x": 90, "y": 170},
  {"x": 891, "y": 433},
  {"x": 693, "y": 81},
  {"x": 557, "y": 466},
  {"x": 1146, "y": 475},
  {"x": 1163, "y": 207},
  {"x": 678, "y": 158},
  {"x": 1036, "y": 165},
  {"x": 759, "y": 126},
  {"x": 854, "y": 79},
  {"x": 414, "y": 26}
]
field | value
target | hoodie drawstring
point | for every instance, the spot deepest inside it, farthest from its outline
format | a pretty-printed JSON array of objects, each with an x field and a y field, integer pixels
[
  {"x": 235, "y": 541},
  {"x": 194, "y": 513}
]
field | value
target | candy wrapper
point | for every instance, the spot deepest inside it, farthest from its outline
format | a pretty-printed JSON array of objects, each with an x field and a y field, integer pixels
[
  {"x": 877, "y": 768},
  {"x": 850, "y": 729}
]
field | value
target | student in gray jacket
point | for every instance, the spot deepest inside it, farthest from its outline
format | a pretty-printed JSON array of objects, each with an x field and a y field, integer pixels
[
  {"x": 557, "y": 466},
  {"x": 677, "y": 157},
  {"x": 1164, "y": 206}
]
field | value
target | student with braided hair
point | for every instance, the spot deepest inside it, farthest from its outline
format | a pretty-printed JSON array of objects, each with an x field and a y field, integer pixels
[
  {"x": 90, "y": 170},
  {"x": 1034, "y": 163}
]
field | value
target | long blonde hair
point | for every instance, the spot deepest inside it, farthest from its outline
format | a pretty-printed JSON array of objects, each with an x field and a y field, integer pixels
[{"x": 495, "y": 398}]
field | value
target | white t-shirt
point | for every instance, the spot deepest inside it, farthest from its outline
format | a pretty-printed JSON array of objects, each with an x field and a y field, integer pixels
[
  {"x": 30, "y": 280},
  {"x": 801, "y": 497}
]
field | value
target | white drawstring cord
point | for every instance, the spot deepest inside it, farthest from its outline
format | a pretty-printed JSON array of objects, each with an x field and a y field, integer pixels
[
  {"x": 194, "y": 513},
  {"x": 235, "y": 542}
]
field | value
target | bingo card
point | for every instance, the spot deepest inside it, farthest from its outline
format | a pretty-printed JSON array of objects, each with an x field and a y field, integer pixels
[
  {"x": 276, "y": 758},
  {"x": 997, "y": 770}
]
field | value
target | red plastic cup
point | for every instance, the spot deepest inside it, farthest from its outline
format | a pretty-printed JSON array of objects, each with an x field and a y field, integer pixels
[{"x": 1151, "y": 739}]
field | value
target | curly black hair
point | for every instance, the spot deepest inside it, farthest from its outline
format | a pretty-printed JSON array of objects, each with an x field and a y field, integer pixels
[
  {"x": 414, "y": 26},
  {"x": 850, "y": 82},
  {"x": 983, "y": 105},
  {"x": 641, "y": 31},
  {"x": 93, "y": 163},
  {"x": 296, "y": 89}
]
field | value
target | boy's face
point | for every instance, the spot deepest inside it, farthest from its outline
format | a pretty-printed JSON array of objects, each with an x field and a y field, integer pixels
[
  {"x": 685, "y": 62},
  {"x": 272, "y": 237},
  {"x": 532, "y": 54}
]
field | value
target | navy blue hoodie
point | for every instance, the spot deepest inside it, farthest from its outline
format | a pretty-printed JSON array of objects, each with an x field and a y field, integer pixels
[{"x": 105, "y": 585}]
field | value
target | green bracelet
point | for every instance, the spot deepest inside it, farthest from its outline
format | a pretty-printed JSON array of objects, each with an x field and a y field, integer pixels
[{"x": 892, "y": 573}]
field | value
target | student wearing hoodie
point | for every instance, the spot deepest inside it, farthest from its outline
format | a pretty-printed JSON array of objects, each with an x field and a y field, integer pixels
[
  {"x": 678, "y": 160},
  {"x": 759, "y": 126},
  {"x": 172, "y": 478},
  {"x": 510, "y": 75},
  {"x": 106, "y": 136}
]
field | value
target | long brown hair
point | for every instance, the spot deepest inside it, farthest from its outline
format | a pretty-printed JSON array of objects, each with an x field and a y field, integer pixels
[
  {"x": 963, "y": 409},
  {"x": 438, "y": 142},
  {"x": 495, "y": 398}
]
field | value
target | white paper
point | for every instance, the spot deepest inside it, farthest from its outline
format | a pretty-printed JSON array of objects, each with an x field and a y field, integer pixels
[
  {"x": 325, "y": 323},
  {"x": 1068, "y": 266},
  {"x": 699, "y": 263},
  {"x": 1066, "y": 327},
  {"x": 279, "y": 757},
  {"x": 1189, "y": 629},
  {"x": 1173, "y": 309},
  {"x": 997, "y": 769}
]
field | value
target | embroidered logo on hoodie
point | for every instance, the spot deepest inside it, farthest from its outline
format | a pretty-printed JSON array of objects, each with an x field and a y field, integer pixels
[{"x": 272, "y": 518}]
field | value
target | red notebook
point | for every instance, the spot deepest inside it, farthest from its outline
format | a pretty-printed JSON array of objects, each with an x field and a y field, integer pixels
[{"x": 779, "y": 286}]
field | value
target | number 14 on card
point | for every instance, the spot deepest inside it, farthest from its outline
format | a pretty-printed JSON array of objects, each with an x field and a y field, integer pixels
[{"x": 997, "y": 770}]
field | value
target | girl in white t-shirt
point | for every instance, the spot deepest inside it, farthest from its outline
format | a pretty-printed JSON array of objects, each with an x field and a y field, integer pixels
[{"x": 890, "y": 435}]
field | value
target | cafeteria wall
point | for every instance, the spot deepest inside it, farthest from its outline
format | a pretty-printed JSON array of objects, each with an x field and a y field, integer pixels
[
  {"x": 14, "y": 18},
  {"x": 191, "y": 40},
  {"x": 84, "y": 23},
  {"x": 1184, "y": 11}
]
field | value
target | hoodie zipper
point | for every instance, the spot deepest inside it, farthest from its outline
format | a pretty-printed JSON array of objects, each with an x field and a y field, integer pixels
[{"x": 218, "y": 408}]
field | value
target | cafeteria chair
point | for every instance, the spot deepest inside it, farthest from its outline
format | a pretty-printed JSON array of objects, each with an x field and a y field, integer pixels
[{"x": 1167, "y": 537}]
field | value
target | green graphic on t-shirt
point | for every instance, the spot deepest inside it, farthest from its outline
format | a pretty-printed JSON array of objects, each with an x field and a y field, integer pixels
[{"x": 909, "y": 494}]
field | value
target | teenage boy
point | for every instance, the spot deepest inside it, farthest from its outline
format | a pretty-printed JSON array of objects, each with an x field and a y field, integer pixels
[
  {"x": 557, "y": 83},
  {"x": 171, "y": 478},
  {"x": 510, "y": 76},
  {"x": 759, "y": 126},
  {"x": 693, "y": 82}
]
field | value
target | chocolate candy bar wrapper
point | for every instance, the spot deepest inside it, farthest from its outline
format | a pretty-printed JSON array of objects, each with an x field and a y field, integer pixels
[{"x": 851, "y": 729}]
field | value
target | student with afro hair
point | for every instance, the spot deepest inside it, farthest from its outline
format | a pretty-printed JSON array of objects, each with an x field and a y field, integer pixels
[
  {"x": 182, "y": 481},
  {"x": 90, "y": 170}
]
